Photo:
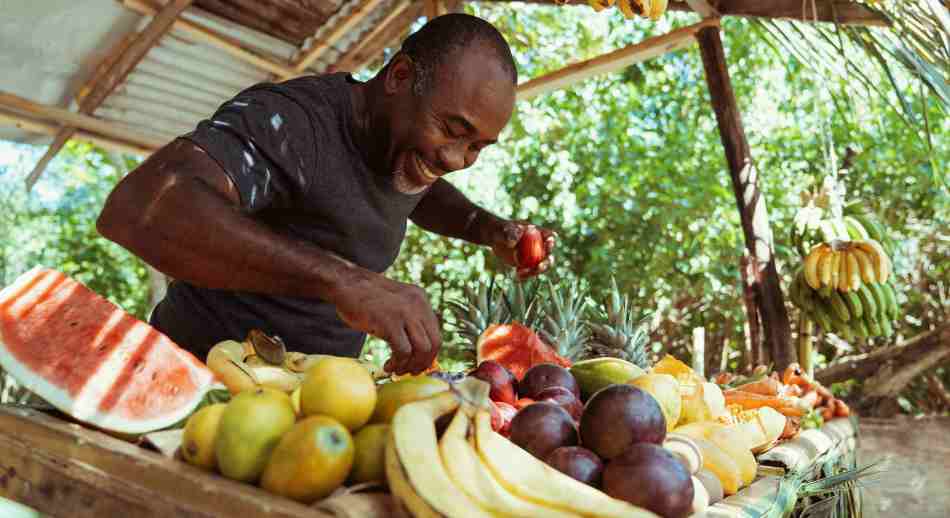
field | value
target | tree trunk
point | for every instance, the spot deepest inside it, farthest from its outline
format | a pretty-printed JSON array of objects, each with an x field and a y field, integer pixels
[
  {"x": 753, "y": 326},
  {"x": 751, "y": 203},
  {"x": 863, "y": 366}
]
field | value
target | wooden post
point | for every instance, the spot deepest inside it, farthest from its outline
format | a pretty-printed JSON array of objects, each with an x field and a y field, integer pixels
[
  {"x": 751, "y": 203},
  {"x": 757, "y": 355},
  {"x": 699, "y": 351}
]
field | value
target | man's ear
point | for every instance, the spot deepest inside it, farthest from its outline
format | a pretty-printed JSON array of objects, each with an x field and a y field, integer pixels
[{"x": 400, "y": 74}]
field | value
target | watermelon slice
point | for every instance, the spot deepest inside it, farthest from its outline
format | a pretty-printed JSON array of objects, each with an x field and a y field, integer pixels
[
  {"x": 516, "y": 347},
  {"x": 92, "y": 360}
]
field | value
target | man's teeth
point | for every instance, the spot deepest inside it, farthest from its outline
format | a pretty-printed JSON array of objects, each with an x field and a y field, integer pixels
[{"x": 426, "y": 172}]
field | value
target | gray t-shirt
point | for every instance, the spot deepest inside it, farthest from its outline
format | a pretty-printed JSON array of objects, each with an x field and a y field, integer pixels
[{"x": 290, "y": 150}]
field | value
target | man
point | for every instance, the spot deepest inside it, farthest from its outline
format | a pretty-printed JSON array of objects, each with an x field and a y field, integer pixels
[{"x": 283, "y": 210}]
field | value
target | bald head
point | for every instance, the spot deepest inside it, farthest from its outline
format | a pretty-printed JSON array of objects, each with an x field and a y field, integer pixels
[{"x": 444, "y": 37}]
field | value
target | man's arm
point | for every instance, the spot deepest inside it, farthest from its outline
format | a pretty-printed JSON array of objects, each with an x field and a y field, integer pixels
[
  {"x": 446, "y": 211},
  {"x": 179, "y": 212}
]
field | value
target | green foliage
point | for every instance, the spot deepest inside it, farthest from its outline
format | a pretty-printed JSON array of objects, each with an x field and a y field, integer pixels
[{"x": 55, "y": 226}]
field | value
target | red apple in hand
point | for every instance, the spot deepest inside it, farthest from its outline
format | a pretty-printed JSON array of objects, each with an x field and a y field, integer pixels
[{"x": 530, "y": 248}]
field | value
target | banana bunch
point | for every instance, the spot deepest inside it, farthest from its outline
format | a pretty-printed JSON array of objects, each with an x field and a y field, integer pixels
[
  {"x": 812, "y": 227},
  {"x": 262, "y": 360},
  {"x": 472, "y": 471},
  {"x": 865, "y": 311},
  {"x": 652, "y": 9},
  {"x": 843, "y": 265}
]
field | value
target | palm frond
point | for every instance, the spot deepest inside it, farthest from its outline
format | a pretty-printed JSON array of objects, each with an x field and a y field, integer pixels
[{"x": 915, "y": 46}]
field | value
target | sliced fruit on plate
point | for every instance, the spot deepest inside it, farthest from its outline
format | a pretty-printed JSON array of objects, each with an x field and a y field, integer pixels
[
  {"x": 517, "y": 348},
  {"x": 92, "y": 360}
]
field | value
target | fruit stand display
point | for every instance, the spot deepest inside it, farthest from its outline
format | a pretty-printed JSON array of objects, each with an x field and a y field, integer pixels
[{"x": 260, "y": 429}]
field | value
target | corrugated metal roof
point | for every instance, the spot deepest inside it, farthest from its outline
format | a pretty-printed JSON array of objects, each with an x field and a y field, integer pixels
[{"x": 179, "y": 81}]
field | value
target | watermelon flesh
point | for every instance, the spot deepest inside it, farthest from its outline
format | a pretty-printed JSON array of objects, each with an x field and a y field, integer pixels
[
  {"x": 92, "y": 360},
  {"x": 517, "y": 348}
]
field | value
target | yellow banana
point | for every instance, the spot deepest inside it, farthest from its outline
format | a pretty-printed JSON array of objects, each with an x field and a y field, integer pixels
[
  {"x": 626, "y": 9},
  {"x": 811, "y": 267},
  {"x": 882, "y": 263},
  {"x": 401, "y": 489},
  {"x": 471, "y": 474},
  {"x": 835, "y": 267},
  {"x": 597, "y": 5},
  {"x": 854, "y": 270},
  {"x": 417, "y": 448},
  {"x": 844, "y": 273},
  {"x": 526, "y": 476},
  {"x": 865, "y": 266}
]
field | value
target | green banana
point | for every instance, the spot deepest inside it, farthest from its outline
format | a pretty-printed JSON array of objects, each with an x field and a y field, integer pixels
[
  {"x": 839, "y": 306},
  {"x": 860, "y": 328},
  {"x": 887, "y": 328},
  {"x": 825, "y": 291},
  {"x": 867, "y": 223},
  {"x": 820, "y": 315},
  {"x": 893, "y": 312},
  {"x": 867, "y": 300},
  {"x": 880, "y": 298},
  {"x": 856, "y": 231},
  {"x": 874, "y": 326},
  {"x": 854, "y": 304}
]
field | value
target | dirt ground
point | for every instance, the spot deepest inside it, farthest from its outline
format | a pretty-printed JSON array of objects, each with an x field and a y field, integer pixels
[{"x": 915, "y": 454}]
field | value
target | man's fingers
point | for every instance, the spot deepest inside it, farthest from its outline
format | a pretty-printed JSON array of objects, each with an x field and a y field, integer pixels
[
  {"x": 513, "y": 233},
  {"x": 420, "y": 347},
  {"x": 402, "y": 351},
  {"x": 435, "y": 338}
]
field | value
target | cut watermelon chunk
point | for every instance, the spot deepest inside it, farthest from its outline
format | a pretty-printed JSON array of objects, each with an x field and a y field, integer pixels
[
  {"x": 92, "y": 360},
  {"x": 516, "y": 347}
]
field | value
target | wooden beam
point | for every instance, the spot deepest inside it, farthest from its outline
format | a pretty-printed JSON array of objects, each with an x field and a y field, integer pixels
[
  {"x": 356, "y": 52},
  {"x": 749, "y": 199},
  {"x": 338, "y": 30},
  {"x": 63, "y": 117},
  {"x": 64, "y": 469},
  {"x": 44, "y": 128},
  {"x": 434, "y": 8},
  {"x": 104, "y": 83},
  {"x": 389, "y": 36},
  {"x": 230, "y": 45},
  {"x": 703, "y": 8},
  {"x": 844, "y": 12},
  {"x": 616, "y": 60}
]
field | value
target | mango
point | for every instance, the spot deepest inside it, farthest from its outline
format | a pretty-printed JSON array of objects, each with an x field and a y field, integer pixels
[
  {"x": 597, "y": 373},
  {"x": 251, "y": 427}
]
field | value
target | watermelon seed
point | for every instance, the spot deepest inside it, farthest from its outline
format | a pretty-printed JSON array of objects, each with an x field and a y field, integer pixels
[{"x": 73, "y": 323}]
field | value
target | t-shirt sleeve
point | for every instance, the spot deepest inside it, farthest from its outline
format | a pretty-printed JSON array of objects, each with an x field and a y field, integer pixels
[{"x": 265, "y": 142}]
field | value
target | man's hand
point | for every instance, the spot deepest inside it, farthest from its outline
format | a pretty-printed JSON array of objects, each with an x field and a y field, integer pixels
[
  {"x": 396, "y": 312},
  {"x": 504, "y": 242}
]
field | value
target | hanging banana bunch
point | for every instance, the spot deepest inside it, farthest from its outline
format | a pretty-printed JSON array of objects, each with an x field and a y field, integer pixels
[
  {"x": 845, "y": 286},
  {"x": 652, "y": 9}
]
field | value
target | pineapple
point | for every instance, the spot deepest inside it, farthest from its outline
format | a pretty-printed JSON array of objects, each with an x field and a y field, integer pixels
[
  {"x": 616, "y": 333},
  {"x": 563, "y": 325},
  {"x": 488, "y": 305}
]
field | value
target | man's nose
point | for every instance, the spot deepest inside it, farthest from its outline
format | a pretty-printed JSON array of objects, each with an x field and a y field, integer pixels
[{"x": 452, "y": 158}]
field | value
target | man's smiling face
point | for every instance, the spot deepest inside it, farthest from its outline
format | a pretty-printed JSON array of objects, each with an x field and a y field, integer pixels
[{"x": 469, "y": 102}]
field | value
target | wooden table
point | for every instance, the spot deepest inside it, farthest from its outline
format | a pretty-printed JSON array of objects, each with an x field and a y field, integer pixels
[
  {"x": 66, "y": 470},
  {"x": 63, "y": 469}
]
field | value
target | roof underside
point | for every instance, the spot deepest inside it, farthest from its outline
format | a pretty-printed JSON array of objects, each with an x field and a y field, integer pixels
[{"x": 55, "y": 47}]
